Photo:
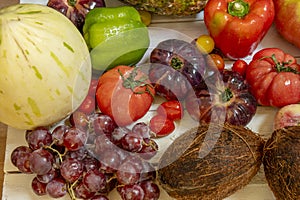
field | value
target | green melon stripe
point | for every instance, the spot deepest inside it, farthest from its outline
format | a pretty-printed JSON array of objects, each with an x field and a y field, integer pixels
[
  {"x": 59, "y": 63},
  {"x": 34, "y": 107}
]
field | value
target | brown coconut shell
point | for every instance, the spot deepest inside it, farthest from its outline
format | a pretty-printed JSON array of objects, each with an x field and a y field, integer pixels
[
  {"x": 281, "y": 163},
  {"x": 210, "y": 162}
]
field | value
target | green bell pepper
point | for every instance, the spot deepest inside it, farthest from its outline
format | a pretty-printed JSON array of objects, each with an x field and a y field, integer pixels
[{"x": 115, "y": 36}]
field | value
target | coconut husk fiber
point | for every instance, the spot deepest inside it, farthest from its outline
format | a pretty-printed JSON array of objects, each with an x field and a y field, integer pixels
[{"x": 210, "y": 162}]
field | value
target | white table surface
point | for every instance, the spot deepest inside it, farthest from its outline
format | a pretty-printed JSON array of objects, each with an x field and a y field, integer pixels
[{"x": 18, "y": 186}]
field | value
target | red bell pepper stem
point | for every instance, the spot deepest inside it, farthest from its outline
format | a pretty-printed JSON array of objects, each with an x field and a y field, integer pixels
[{"x": 238, "y": 8}]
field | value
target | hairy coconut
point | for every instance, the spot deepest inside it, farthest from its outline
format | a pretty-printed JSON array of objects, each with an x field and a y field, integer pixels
[
  {"x": 282, "y": 163},
  {"x": 210, "y": 162}
]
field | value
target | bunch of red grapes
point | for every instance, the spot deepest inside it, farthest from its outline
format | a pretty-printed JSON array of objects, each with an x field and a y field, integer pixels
[{"x": 87, "y": 156}]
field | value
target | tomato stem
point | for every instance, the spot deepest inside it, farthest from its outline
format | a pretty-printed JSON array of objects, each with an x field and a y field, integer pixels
[
  {"x": 72, "y": 2},
  {"x": 131, "y": 82},
  {"x": 226, "y": 95},
  {"x": 176, "y": 63},
  {"x": 238, "y": 8},
  {"x": 281, "y": 66}
]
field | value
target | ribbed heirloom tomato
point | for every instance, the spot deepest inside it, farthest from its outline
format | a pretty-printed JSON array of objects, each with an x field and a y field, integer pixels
[
  {"x": 125, "y": 94},
  {"x": 274, "y": 78}
]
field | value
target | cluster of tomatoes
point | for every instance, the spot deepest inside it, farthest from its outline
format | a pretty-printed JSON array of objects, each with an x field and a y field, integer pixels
[
  {"x": 273, "y": 75},
  {"x": 126, "y": 94},
  {"x": 206, "y": 45}
]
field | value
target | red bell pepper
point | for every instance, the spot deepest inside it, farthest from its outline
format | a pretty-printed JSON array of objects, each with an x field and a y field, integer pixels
[
  {"x": 274, "y": 78},
  {"x": 238, "y": 26}
]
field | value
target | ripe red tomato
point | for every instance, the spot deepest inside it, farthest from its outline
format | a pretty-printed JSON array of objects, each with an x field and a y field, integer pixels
[
  {"x": 125, "y": 94},
  {"x": 171, "y": 109},
  {"x": 215, "y": 60},
  {"x": 274, "y": 78},
  {"x": 240, "y": 66},
  {"x": 161, "y": 125}
]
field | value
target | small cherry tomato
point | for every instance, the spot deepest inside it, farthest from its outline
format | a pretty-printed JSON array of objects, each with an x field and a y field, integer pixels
[
  {"x": 171, "y": 109},
  {"x": 161, "y": 125},
  {"x": 215, "y": 60},
  {"x": 205, "y": 44},
  {"x": 240, "y": 66},
  {"x": 88, "y": 105},
  {"x": 146, "y": 17}
]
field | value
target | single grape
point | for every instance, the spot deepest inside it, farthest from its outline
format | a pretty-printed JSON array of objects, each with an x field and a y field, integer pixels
[
  {"x": 151, "y": 190},
  {"x": 71, "y": 169},
  {"x": 38, "y": 138},
  {"x": 132, "y": 192},
  {"x": 38, "y": 187},
  {"x": 41, "y": 161},
  {"x": 94, "y": 180},
  {"x": 128, "y": 173},
  {"x": 83, "y": 192},
  {"x": 79, "y": 154},
  {"x": 74, "y": 139},
  {"x": 90, "y": 163},
  {"x": 58, "y": 134},
  {"x": 56, "y": 188},
  {"x": 141, "y": 128},
  {"x": 136, "y": 161},
  {"x": 19, "y": 152},
  {"x": 132, "y": 142},
  {"x": 118, "y": 134},
  {"x": 110, "y": 160},
  {"x": 102, "y": 123},
  {"x": 79, "y": 120},
  {"x": 23, "y": 163},
  {"x": 46, "y": 178},
  {"x": 102, "y": 144}
]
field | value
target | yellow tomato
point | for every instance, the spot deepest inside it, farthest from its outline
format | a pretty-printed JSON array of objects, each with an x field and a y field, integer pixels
[{"x": 205, "y": 44}]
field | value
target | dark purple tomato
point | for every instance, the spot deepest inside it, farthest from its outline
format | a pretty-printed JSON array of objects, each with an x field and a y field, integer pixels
[
  {"x": 226, "y": 99},
  {"x": 75, "y": 10},
  {"x": 177, "y": 66}
]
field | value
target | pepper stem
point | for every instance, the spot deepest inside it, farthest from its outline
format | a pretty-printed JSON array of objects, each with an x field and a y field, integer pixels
[{"x": 238, "y": 8}]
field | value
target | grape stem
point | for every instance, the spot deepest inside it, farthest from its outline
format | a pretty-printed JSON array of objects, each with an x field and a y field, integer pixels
[
  {"x": 71, "y": 189},
  {"x": 57, "y": 152}
]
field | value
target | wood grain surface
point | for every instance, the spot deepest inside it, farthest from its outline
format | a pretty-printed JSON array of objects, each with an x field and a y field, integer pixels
[{"x": 3, "y": 128}]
